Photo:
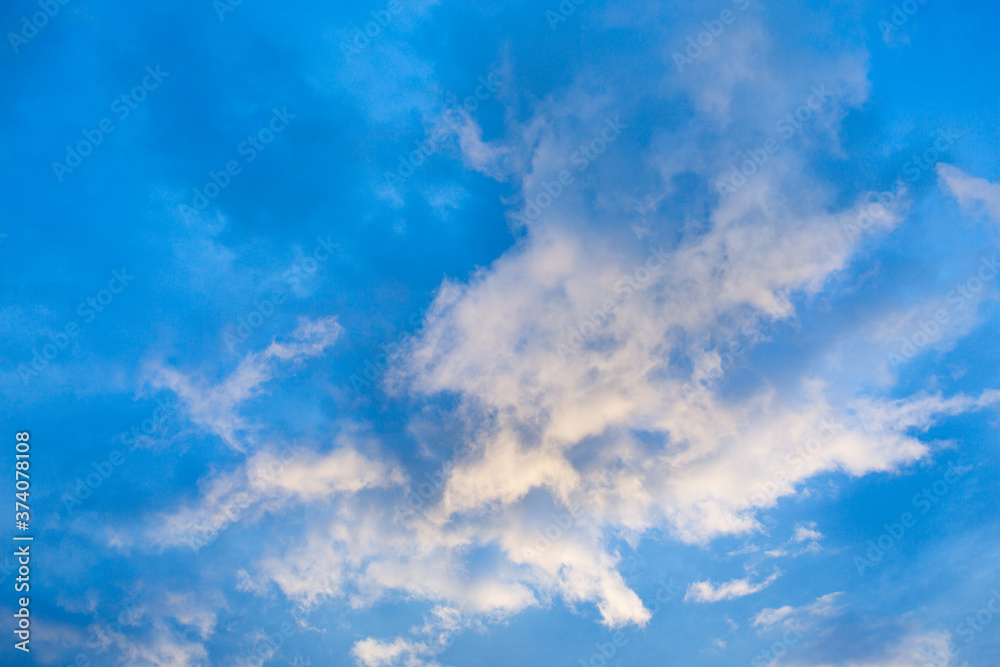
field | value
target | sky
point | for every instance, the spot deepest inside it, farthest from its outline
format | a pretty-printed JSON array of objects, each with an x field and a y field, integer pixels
[{"x": 556, "y": 333}]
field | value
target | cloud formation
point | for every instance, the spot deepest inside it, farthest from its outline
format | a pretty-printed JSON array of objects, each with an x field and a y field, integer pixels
[
  {"x": 706, "y": 591},
  {"x": 216, "y": 407}
]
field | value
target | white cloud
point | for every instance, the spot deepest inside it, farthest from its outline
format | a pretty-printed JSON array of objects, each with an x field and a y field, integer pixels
[
  {"x": 564, "y": 419},
  {"x": 824, "y": 627},
  {"x": 397, "y": 653},
  {"x": 437, "y": 633},
  {"x": 362, "y": 553},
  {"x": 572, "y": 388},
  {"x": 189, "y": 611},
  {"x": 157, "y": 634},
  {"x": 216, "y": 407},
  {"x": 311, "y": 476},
  {"x": 310, "y": 573},
  {"x": 272, "y": 480},
  {"x": 806, "y": 531},
  {"x": 971, "y": 191},
  {"x": 913, "y": 650},
  {"x": 706, "y": 591},
  {"x": 489, "y": 158},
  {"x": 823, "y": 607},
  {"x": 162, "y": 648}
]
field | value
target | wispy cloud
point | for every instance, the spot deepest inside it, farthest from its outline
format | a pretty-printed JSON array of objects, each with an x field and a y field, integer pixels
[
  {"x": 216, "y": 407},
  {"x": 824, "y": 607},
  {"x": 706, "y": 591},
  {"x": 971, "y": 191}
]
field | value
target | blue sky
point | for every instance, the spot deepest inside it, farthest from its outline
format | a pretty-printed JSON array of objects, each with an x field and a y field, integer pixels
[{"x": 422, "y": 333}]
